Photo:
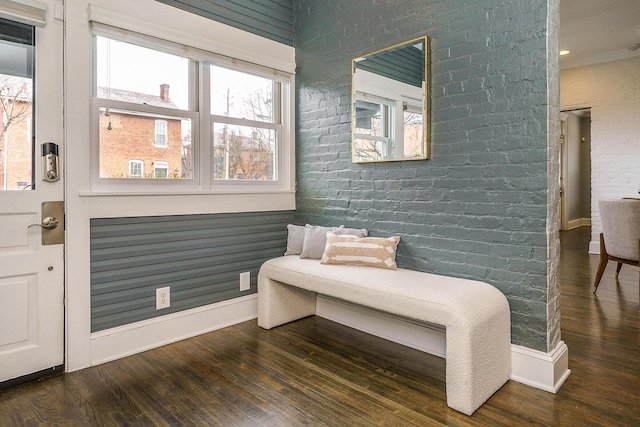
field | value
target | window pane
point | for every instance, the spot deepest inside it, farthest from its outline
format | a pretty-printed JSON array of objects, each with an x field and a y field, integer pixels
[
  {"x": 16, "y": 105},
  {"x": 370, "y": 149},
  {"x": 241, "y": 95},
  {"x": 131, "y": 73},
  {"x": 413, "y": 139},
  {"x": 126, "y": 135},
  {"x": 372, "y": 118},
  {"x": 243, "y": 152}
]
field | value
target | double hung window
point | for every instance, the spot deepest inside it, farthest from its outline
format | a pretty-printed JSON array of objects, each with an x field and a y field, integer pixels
[
  {"x": 374, "y": 130},
  {"x": 199, "y": 121},
  {"x": 246, "y": 123}
]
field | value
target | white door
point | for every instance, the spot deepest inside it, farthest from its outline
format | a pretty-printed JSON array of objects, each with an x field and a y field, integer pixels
[{"x": 31, "y": 273}]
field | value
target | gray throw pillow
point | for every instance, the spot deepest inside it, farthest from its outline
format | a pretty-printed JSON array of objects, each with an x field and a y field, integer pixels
[
  {"x": 295, "y": 238},
  {"x": 315, "y": 237}
]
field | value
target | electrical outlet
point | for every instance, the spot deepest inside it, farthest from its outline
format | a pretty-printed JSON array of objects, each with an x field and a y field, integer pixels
[
  {"x": 163, "y": 297},
  {"x": 245, "y": 281}
]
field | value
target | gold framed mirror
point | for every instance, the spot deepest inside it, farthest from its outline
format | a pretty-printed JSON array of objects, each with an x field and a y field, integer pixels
[{"x": 390, "y": 105}]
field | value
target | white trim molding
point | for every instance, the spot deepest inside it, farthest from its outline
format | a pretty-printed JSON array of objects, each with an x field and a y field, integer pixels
[
  {"x": 141, "y": 336},
  {"x": 230, "y": 41},
  {"x": 546, "y": 371},
  {"x": 31, "y": 12},
  {"x": 579, "y": 222}
]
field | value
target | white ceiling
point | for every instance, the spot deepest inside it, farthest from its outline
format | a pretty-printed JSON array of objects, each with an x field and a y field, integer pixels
[{"x": 598, "y": 30}]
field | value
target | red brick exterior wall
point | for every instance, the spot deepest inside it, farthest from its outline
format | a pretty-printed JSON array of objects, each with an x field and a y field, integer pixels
[
  {"x": 132, "y": 137},
  {"x": 18, "y": 154}
]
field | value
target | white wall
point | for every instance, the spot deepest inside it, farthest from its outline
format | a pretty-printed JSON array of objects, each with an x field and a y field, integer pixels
[{"x": 612, "y": 90}]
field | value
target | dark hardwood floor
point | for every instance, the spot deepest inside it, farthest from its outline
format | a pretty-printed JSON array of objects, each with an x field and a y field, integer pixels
[{"x": 318, "y": 373}]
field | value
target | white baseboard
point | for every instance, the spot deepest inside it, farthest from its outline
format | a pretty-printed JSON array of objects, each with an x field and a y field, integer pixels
[
  {"x": 579, "y": 222},
  {"x": 137, "y": 337},
  {"x": 546, "y": 371}
]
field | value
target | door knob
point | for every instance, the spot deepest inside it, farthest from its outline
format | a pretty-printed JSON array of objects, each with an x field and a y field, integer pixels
[{"x": 48, "y": 223}]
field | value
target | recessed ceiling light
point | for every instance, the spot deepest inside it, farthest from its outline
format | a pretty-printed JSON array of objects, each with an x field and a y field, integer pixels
[{"x": 565, "y": 52}]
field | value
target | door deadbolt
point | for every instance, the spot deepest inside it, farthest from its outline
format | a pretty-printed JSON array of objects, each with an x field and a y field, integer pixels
[{"x": 48, "y": 223}]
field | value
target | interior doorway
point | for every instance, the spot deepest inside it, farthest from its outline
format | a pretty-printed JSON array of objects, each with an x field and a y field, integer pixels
[{"x": 575, "y": 168}]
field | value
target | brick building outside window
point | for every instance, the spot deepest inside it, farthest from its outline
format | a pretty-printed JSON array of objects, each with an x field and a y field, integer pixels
[
  {"x": 138, "y": 145},
  {"x": 15, "y": 132}
]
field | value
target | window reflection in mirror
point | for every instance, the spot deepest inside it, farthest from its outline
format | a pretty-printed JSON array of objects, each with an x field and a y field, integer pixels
[{"x": 390, "y": 120}]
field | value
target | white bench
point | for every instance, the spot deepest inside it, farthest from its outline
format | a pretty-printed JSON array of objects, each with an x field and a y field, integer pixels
[{"x": 475, "y": 315}]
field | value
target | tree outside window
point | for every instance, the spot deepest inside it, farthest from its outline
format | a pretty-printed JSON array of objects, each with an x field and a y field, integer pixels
[{"x": 246, "y": 125}]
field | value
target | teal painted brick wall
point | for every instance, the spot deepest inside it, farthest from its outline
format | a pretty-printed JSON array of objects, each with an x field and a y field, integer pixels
[{"x": 477, "y": 209}]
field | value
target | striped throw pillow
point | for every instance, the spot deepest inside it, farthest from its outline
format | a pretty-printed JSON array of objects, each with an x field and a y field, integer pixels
[{"x": 370, "y": 251}]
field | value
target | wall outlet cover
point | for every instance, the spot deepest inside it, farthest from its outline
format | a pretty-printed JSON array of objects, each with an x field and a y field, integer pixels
[
  {"x": 245, "y": 281},
  {"x": 163, "y": 297}
]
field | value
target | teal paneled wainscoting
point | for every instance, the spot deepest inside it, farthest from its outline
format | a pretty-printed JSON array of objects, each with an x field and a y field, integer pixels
[{"x": 200, "y": 257}]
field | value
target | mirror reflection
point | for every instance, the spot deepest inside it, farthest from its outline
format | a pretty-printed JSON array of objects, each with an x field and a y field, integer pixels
[{"x": 390, "y": 120}]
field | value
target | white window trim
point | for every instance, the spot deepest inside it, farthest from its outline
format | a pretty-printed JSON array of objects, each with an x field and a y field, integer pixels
[
  {"x": 30, "y": 12},
  {"x": 236, "y": 43}
]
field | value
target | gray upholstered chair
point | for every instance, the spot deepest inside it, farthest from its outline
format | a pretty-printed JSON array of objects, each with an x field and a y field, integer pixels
[{"x": 620, "y": 237}]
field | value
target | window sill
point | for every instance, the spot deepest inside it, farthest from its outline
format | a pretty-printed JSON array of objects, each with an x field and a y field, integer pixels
[
  {"x": 181, "y": 193},
  {"x": 141, "y": 204}
]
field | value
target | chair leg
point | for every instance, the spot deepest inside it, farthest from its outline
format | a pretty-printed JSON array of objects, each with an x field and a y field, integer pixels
[
  {"x": 619, "y": 266},
  {"x": 604, "y": 259}
]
